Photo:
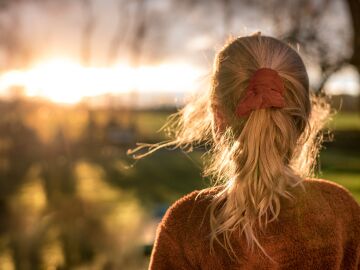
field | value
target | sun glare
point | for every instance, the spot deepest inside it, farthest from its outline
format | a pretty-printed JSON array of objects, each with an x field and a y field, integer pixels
[{"x": 66, "y": 81}]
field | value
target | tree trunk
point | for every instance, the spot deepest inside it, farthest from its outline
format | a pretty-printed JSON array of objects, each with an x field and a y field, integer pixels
[{"x": 354, "y": 11}]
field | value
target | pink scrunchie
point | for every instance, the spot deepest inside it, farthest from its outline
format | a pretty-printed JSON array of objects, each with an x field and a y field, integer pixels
[{"x": 265, "y": 90}]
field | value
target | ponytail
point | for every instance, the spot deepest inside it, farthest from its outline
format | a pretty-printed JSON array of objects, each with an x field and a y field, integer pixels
[{"x": 260, "y": 175}]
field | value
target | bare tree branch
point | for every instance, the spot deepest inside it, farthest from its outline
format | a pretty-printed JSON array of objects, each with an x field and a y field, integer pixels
[
  {"x": 120, "y": 33},
  {"x": 140, "y": 32},
  {"x": 354, "y": 10},
  {"x": 87, "y": 31},
  {"x": 330, "y": 71}
]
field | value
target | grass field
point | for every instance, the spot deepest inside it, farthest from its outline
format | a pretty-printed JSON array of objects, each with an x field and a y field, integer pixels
[
  {"x": 84, "y": 190},
  {"x": 342, "y": 167},
  {"x": 340, "y": 161},
  {"x": 173, "y": 173},
  {"x": 345, "y": 121}
]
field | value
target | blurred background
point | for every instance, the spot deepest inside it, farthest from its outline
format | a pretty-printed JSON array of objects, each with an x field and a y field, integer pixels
[{"x": 81, "y": 81}]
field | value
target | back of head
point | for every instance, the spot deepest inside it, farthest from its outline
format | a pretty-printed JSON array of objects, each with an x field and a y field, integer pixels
[
  {"x": 264, "y": 142},
  {"x": 259, "y": 156}
]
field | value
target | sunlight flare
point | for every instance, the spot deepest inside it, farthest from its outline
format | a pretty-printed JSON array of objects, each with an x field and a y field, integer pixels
[{"x": 65, "y": 81}]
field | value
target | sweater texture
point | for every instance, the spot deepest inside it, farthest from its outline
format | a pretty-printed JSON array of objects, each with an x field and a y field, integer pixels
[{"x": 319, "y": 229}]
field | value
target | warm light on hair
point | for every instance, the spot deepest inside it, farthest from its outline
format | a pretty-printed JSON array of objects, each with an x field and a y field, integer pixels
[{"x": 257, "y": 159}]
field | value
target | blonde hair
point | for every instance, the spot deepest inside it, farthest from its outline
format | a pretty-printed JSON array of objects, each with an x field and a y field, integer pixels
[{"x": 255, "y": 159}]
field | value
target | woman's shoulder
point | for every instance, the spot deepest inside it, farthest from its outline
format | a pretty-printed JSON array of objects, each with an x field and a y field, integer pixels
[
  {"x": 188, "y": 208},
  {"x": 328, "y": 187},
  {"x": 335, "y": 194}
]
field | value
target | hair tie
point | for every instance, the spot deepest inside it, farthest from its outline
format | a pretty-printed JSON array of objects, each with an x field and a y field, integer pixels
[{"x": 265, "y": 90}]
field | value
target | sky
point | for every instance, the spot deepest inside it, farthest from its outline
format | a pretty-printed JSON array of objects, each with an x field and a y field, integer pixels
[{"x": 177, "y": 51}]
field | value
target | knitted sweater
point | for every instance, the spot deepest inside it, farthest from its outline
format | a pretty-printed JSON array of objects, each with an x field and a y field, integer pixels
[{"x": 319, "y": 230}]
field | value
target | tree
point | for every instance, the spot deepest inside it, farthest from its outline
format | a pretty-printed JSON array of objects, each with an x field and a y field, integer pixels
[
  {"x": 354, "y": 10},
  {"x": 87, "y": 31}
]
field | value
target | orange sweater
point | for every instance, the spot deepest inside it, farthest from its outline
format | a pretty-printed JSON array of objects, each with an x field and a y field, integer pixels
[{"x": 320, "y": 230}]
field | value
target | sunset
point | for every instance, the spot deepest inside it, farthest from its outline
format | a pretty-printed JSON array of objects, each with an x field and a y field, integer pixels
[
  {"x": 144, "y": 134},
  {"x": 65, "y": 81}
]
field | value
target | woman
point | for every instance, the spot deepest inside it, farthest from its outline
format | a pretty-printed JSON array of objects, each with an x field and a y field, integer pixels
[{"x": 262, "y": 126}]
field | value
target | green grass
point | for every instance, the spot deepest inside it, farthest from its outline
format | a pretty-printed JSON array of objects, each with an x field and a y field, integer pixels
[
  {"x": 150, "y": 123},
  {"x": 170, "y": 174},
  {"x": 342, "y": 167},
  {"x": 167, "y": 175},
  {"x": 164, "y": 176},
  {"x": 350, "y": 181},
  {"x": 345, "y": 121}
]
